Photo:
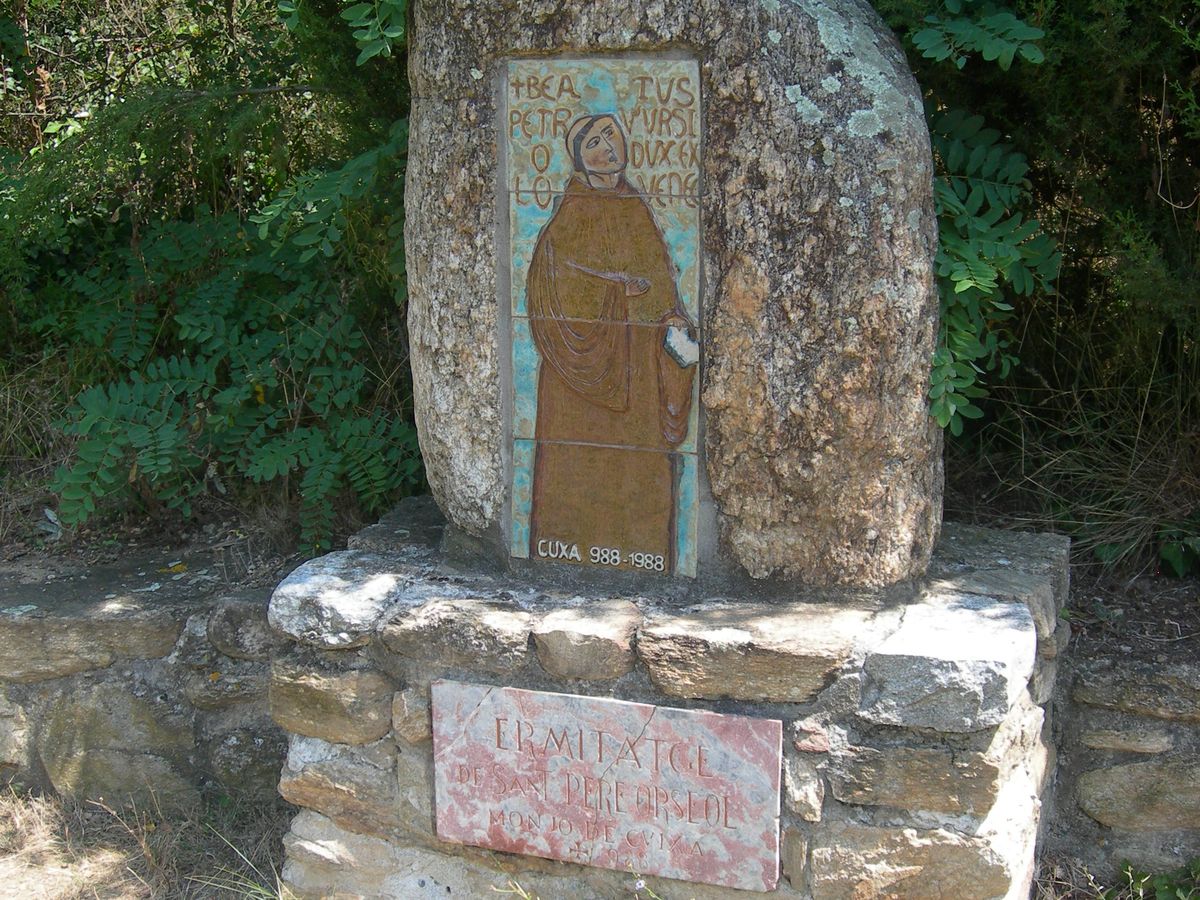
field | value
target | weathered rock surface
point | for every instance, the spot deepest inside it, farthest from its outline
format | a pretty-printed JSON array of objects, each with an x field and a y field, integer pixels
[
  {"x": 938, "y": 779},
  {"x": 352, "y": 707},
  {"x": 245, "y": 761},
  {"x": 103, "y": 741},
  {"x": 454, "y": 632},
  {"x": 64, "y": 639},
  {"x": 793, "y": 857},
  {"x": 238, "y": 627},
  {"x": 1162, "y": 692},
  {"x": 858, "y": 862},
  {"x": 325, "y": 861},
  {"x": 916, "y": 778},
  {"x": 803, "y": 788},
  {"x": 335, "y": 601},
  {"x": 411, "y": 717},
  {"x": 750, "y": 651},
  {"x": 1016, "y": 566},
  {"x": 1148, "y": 796},
  {"x": 355, "y": 788},
  {"x": 415, "y": 522},
  {"x": 589, "y": 642},
  {"x": 818, "y": 226},
  {"x": 230, "y": 685},
  {"x": 1150, "y": 740},
  {"x": 14, "y": 738},
  {"x": 956, "y": 664}
]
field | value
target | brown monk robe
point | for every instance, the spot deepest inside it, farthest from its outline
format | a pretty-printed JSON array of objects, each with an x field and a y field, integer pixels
[{"x": 601, "y": 296}]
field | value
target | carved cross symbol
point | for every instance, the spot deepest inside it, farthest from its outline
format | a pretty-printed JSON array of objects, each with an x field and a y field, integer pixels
[{"x": 578, "y": 849}]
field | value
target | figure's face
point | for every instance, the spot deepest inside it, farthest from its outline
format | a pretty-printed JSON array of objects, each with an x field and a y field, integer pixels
[{"x": 603, "y": 150}]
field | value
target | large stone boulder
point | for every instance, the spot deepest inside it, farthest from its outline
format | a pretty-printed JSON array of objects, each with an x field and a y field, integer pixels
[{"x": 818, "y": 309}]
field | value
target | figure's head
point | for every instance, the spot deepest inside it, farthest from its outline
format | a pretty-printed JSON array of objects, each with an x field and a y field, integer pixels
[{"x": 597, "y": 145}]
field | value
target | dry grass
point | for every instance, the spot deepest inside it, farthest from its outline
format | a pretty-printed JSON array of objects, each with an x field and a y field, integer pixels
[
  {"x": 52, "y": 849},
  {"x": 1066, "y": 879},
  {"x": 1063, "y": 878}
]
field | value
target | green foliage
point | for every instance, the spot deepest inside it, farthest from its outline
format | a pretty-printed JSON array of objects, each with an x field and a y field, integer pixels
[
  {"x": 1181, "y": 884},
  {"x": 311, "y": 212},
  {"x": 985, "y": 249},
  {"x": 207, "y": 353},
  {"x": 1095, "y": 433},
  {"x": 989, "y": 249},
  {"x": 1179, "y": 548},
  {"x": 988, "y": 29},
  {"x": 243, "y": 362},
  {"x": 378, "y": 27}
]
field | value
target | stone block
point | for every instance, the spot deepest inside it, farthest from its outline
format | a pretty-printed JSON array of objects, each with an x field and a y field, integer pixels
[
  {"x": 1146, "y": 796},
  {"x": 414, "y": 524},
  {"x": 355, "y": 787},
  {"x": 803, "y": 788},
  {"x": 335, "y": 601},
  {"x": 1062, "y": 639},
  {"x": 194, "y": 651},
  {"x": 36, "y": 645},
  {"x": 229, "y": 685},
  {"x": 103, "y": 741},
  {"x": 592, "y": 641},
  {"x": 459, "y": 633},
  {"x": 793, "y": 853},
  {"x": 1169, "y": 692},
  {"x": 825, "y": 465},
  {"x": 938, "y": 779},
  {"x": 1013, "y": 566},
  {"x": 14, "y": 738},
  {"x": 1140, "y": 740},
  {"x": 810, "y": 736},
  {"x": 1041, "y": 685},
  {"x": 353, "y": 707},
  {"x": 916, "y": 778},
  {"x": 410, "y": 716},
  {"x": 238, "y": 628},
  {"x": 245, "y": 761},
  {"x": 957, "y": 663},
  {"x": 750, "y": 651},
  {"x": 325, "y": 861},
  {"x": 860, "y": 862}
]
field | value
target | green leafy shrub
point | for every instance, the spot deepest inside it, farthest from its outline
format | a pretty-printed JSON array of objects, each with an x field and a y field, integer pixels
[
  {"x": 205, "y": 227},
  {"x": 243, "y": 362},
  {"x": 1180, "y": 884},
  {"x": 987, "y": 251},
  {"x": 1097, "y": 431},
  {"x": 990, "y": 249}
]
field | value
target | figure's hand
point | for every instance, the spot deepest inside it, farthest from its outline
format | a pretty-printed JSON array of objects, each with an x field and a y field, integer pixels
[
  {"x": 635, "y": 287},
  {"x": 680, "y": 344},
  {"x": 677, "y": 321}
]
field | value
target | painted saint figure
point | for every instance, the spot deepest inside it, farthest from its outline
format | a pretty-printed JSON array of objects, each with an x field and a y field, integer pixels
[{"x": 618, "y": 360}]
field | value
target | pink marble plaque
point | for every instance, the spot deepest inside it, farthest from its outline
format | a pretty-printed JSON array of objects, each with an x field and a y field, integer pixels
[{"x": 686, "y": 794}]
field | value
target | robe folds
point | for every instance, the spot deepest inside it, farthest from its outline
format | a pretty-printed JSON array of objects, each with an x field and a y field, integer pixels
[{"x": 613, "y": 404}]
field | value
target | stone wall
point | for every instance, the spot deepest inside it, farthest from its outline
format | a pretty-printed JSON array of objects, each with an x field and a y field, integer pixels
[
  {"x": 1129, "y": 774},
  {"x": 914, "y": 722},
  {"x": 126, "y": 681}
]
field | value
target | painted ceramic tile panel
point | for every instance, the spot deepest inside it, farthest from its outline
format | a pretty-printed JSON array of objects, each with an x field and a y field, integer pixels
[{"x": 603, "y": 175}]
